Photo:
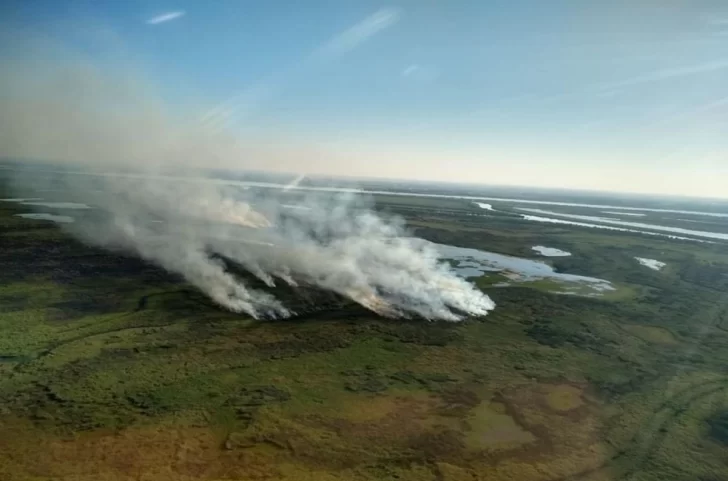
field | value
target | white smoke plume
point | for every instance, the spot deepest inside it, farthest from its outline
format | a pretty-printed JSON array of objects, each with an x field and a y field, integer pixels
[{"x": 163, "y": 207}]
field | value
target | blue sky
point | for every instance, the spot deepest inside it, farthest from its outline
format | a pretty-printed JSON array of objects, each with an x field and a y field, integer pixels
[{"x": 616, "y": 95}]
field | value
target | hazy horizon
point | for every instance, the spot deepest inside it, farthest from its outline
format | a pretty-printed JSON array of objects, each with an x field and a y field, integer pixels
[
  {"x": 618, "y": 98},
  {"x": 415, "y": 186}
]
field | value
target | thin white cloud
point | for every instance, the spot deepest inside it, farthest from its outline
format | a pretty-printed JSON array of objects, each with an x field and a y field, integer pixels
[
  {"x": 245, "y": 101},
  {"x": 669, "y": 73},
  {"x": 613, "y": 88},
  {"x": 166, "y": 17},
  {"x": 221, "y": 114},
  {"x": 410, "y": 70},
  {"x": 712, "y": 105},
  {"x": 352, "y": 37}
]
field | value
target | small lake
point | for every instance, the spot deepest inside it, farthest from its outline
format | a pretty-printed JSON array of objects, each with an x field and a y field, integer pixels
[
  {"x": 484, "y": 206},
  {"x": 651, "y": 263},
  {"x": 550, "y": 251}
]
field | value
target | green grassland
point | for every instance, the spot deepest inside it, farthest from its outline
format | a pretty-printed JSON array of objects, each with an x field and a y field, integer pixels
[{"x": 111, "y": 369}]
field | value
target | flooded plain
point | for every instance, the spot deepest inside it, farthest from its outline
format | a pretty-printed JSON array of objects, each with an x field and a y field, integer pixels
[{"x": 470, "y": 263}]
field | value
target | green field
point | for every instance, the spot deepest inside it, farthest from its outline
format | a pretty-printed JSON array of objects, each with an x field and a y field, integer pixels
[{"x": 112, "y": 369}]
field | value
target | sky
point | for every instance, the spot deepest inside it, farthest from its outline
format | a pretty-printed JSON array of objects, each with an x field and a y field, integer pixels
[{"x": 621, "y": 96}]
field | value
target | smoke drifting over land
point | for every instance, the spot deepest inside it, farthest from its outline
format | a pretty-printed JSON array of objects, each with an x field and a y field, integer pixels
[{"x": 196, "y": 226}]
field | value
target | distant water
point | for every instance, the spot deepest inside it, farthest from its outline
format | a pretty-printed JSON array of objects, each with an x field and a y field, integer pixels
[
  {"x": 631, "y": 214},
  {"x": 293, "y": 206},
  {"x": 16, "y": 199},
  {"x": 638, "y": 225},
  {"x": 59, "y": 205},
  {"x": 64, "y": 219},
  {"x": 38, "y": 201},
  {"x": 273, "y": 185},
  {"x": 551, "y": 220},
  {"x": 475, "y": 263}
]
